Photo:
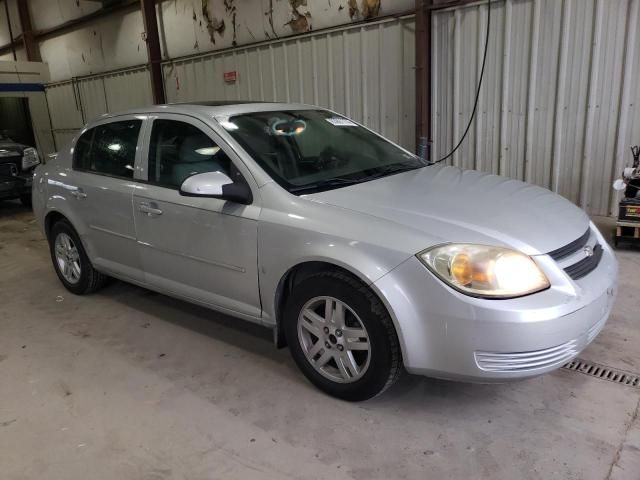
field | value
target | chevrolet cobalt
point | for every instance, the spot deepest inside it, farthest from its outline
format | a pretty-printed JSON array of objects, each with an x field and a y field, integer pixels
[{"x": 361, "y": 257}]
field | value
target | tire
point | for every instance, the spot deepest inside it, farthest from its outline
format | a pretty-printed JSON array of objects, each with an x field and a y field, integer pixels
[
  {"x": 26, "y": 200},
  {"x": 367, "y": 373},
  {"x": 88, "y": 279}
]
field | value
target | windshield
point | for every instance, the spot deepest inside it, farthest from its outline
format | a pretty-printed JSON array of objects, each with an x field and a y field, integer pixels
[{"x": 308, "y": 151}]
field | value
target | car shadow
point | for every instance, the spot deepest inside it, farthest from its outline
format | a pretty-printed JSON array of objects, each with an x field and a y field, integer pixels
[
  {"x": 411, "y": 391},
  {"x": 201, "y": 320},
  {"x": 10, "y": 208}
]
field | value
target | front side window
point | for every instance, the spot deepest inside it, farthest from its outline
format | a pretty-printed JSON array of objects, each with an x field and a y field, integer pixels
[
  {"x": 308, "y": 151},
  {"x": 109, "y": 149},
  {"x": 178, "y": 150}
]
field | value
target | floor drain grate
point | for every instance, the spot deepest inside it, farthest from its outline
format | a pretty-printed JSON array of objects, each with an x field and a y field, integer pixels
[{"x": 605, "y": 373}]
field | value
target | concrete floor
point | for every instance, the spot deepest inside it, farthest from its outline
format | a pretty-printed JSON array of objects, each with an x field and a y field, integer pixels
[{"x": 129, "y": 384}]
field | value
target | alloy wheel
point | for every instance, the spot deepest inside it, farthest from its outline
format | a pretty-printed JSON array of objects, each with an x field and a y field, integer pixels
[
  {"x": 334, "y": 339},
  {"x": 67, "y": 258}
]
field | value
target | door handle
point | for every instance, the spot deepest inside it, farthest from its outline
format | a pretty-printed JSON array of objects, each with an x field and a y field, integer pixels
[
  {"x": 149, "y": 208},
  {"x": 79, "y": 194}
]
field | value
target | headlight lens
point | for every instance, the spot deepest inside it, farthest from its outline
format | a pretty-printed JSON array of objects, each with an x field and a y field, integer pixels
[
  {"x": 30, "y": 158},
  {"x": 485, "y": 271}
]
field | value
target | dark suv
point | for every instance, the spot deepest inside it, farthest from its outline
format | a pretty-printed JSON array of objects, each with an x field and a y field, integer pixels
[{"x": 17, "y": 163}]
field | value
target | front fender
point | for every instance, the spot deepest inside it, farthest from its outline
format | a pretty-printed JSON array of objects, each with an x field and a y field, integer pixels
[{"x": 281, "y": 248}]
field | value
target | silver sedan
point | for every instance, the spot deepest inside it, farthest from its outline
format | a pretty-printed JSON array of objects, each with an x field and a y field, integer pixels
[{"x": 361, "y": 257}]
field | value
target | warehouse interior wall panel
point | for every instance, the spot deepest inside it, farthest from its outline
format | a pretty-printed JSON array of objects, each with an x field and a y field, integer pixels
[
  {"x": 127, "y": 89},
  {"x": 64, "y": 107},
  {"x": 365, "y": 72},
  {"x": 75, "y": 102},
  {"x": 93, "y": 96},
  {"x": 185, "y": 30},
  {"x": 559, "y": 102},
  {"x": 109, "y": 43}
]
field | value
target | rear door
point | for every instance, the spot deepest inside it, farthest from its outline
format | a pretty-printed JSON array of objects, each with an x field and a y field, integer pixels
[
  {"x": 104, "y": 162},
  {"x": 200, "y": 248}
]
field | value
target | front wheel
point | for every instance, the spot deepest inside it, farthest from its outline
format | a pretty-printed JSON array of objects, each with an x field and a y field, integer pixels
[{"x": 341, "y": 336}]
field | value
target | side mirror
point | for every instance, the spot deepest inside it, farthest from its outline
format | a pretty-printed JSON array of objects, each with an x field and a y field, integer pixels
[{"x": 216, "y": 185}]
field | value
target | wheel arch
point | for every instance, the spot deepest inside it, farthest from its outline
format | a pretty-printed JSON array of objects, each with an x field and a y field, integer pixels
[
  {"x": 50, "y": 219},
  {"x": 303, "y": 270}
]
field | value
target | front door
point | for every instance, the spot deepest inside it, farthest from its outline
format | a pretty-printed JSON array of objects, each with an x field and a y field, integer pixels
[{"x": 204, "y": 249}]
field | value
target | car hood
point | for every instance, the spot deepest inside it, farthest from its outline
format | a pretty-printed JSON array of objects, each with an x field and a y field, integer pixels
[
  {"x": 447, "y": 204},
  {"x": 12, "y": 146}
]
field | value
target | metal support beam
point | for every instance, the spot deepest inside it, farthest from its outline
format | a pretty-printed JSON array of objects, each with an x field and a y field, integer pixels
[
  {"x": 424, "y": 54},
  {"x": 31, "y": 46},
  {"x": 126, "y": 5},
  {"x": 12, "y": 45},
  {"x": 423, "y": 77},
  {"x": 153, "y": 49},
  {"x": 9, "y": 47}
]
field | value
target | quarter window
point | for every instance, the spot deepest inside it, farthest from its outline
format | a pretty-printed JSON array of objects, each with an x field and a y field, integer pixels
[
  {"x": 109, "y": 149},
  {"x": 178, "y": 150}
]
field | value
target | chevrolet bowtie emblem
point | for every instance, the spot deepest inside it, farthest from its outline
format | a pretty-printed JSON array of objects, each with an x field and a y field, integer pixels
[{"x": 588, "y": 251}]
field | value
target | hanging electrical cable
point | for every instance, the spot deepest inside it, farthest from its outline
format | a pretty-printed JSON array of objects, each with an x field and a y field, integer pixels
[{"x": 475, "y": 103}]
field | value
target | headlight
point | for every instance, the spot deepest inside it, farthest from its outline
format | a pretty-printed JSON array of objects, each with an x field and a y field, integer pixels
[
  {"x": 485, "y": 271},
  {"x": 30, "y": 158}
]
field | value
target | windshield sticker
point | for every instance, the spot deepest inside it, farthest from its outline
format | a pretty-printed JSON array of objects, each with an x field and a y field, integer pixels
[{"x": 341, "y": 122}]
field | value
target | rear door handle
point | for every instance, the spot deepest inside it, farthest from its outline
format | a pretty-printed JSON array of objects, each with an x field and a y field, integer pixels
[
  {"x": 79, "y": 194},
  {"x": 149, "y": 208}
]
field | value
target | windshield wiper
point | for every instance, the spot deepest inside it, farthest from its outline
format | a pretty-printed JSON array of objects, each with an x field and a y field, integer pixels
[
  {"x": 326, "y": 184},
  {"x": 344, "y": 182}
]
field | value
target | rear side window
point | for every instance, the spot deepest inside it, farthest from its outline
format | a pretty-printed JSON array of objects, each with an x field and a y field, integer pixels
[{"x": 109, "y": 149}]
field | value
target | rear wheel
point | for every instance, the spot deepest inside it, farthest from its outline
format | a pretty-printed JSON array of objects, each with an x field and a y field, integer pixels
[
  {"x": 71, "y": 262},
  {"x": 342, "y": 337}
]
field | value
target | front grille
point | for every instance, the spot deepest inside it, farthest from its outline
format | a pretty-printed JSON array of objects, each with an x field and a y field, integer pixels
[
  {"x": 8, "y": 169},
  {"x": 572, "y": 247},
  {"x": 586, "y": 265},
  {"x": 527, "y": 361},
  {"x": 578, "y": 265}
]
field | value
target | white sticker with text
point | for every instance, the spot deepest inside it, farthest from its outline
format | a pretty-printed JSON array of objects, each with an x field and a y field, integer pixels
[{"x": 341, "y": 122}]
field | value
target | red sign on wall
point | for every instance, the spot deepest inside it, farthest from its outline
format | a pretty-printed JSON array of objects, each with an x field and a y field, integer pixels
[{"x": 230, "y": 76}]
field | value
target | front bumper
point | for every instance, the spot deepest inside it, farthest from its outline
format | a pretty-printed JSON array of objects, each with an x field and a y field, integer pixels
[
  {"x": 14, "y": 187},
  {"x": 446, "y": 334}
]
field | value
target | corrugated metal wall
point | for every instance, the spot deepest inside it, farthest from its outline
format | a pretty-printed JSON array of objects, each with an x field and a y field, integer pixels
[
  {"x": 74, "y": 102},
  {"x": 559, "y": 106},
  {"x": 560, "y": 101},
  {"x": 365, "y": 72}
]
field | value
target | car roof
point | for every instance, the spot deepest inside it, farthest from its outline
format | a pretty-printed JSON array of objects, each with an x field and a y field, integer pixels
[{"x": 213, "y": 108}]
